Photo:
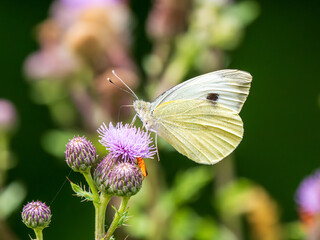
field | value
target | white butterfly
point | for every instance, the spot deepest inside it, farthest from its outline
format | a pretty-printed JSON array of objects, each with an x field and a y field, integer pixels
[{"x": 199, "y": 117}]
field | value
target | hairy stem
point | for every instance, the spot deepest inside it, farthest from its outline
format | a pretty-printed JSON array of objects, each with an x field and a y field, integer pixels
[
  {"x": 94, "y": 190},
  {"x": 117, "y": 217},
  {"x": 100, "y": 212}
]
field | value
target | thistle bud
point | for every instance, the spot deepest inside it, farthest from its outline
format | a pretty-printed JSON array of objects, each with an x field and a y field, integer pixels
[
  {"x": 80, "y": 154},
  {"x": 103, "y": 171},
  {"x": 36, "y": 215},
  {"x": 126, "y": 179},
  {"x": 123, "y": 179}
]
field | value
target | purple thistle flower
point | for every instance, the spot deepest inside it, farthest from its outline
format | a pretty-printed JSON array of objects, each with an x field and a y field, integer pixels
[
  {"x": 308, "y": 194},
  {"x": 80, "y": 154},
  {"x": 36, "y": 215},
  {"x": 126, "y": 142}
]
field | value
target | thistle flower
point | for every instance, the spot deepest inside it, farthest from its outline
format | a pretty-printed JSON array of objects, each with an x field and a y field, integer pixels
[
  {"x": 36, "y": 215},
  {"x": 8, "y": 115},
  {"x": 56, "y": 62},
  {"x": 80, "y": 154},
  {"x": 308, "y": 201},
  {"x": 308, "y": 194},
  {"x": 126, "y": 142},
  {"x": 118, "y": 178}
]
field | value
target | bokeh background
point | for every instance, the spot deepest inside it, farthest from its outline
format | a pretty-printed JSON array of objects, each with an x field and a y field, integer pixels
[{"x": 278, "y": 45}]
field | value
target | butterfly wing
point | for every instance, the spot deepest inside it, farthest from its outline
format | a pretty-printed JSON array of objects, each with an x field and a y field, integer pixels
[
  {"x": 202, "y": 130},
  {"x": 227, "y": 87}
]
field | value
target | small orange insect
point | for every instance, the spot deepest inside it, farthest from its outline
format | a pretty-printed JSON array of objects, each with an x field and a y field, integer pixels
[{"x": 142, "y": 166}]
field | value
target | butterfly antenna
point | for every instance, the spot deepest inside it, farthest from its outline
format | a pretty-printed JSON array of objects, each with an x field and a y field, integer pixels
[
  {"x": 132, "y": 92},
  {"x": 125, "y": 90}
]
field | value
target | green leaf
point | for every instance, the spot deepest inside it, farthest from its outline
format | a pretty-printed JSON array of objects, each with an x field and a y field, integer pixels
[
  {"x": 81, "y": 192},
  {"x": 54, "y": 142},
  {"x": 11, "y": 198},
  {"x": 183, "y": 224},
  {"x": 230, "y": 199},
  {"x": 123, "y": 219},
  {"x": 189, "y": 183}
]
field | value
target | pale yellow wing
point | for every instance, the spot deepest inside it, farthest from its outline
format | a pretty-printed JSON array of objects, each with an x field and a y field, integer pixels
[{"x": 204, "y": 131}]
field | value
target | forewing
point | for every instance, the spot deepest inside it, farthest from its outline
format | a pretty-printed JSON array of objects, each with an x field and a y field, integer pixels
[
  {"x": 227, "y": 87},
  {"x": 203, "y": 131}
]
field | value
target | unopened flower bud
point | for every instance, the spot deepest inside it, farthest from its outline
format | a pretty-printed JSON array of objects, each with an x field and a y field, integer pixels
[
  {"x": 80, "y": 154},
  {"x": 36, "y": 215},
  {"x": 124, "y": 179},
  {"x": 103, "y": 171}
]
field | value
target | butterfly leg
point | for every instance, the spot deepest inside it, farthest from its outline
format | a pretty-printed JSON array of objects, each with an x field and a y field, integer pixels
[
  {"x": 133, "y": 120},
  {"x": 156, "y": 137}
]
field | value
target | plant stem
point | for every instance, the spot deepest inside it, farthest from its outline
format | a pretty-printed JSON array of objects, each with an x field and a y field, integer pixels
[
  {"x": 38, "y": 233},
  {"x": 94, "y": 190},
  {"x": 100, "y": 203},
  {"x": 100, "y": 212},
  {"x": 117, "y": 217}
]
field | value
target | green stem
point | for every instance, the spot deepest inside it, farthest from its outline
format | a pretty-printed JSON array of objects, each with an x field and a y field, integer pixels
[
  {"x": 38, "y": 233},
  {"x": 4, "y": 158},
  {"x": 94, "y": 190},
  {"x": 100, "y": 212},
  {"x": 117, "y": 217}
]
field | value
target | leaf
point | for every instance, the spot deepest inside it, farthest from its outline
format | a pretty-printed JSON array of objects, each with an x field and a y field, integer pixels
[
  {"x": 123, "y": 218},
  {"x": 189, "y": 183},
  {"x": 81, "y": 192},
  {"x": 11, "y": 198}
]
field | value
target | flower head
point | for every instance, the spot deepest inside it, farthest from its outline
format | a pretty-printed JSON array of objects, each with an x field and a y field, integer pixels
[
  {"x": 36, "y": 215},
  {"x": 126, "y": 142},
  {"x": 80, "y": 154},
  {"x": 118, "y": 177},
  {"x": 308, "y": 194},
  {"x": 8, "y": 115},
  {"x": 103, "y": 171}
]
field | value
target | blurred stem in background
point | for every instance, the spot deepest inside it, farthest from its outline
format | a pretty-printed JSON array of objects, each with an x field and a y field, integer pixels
[
  {"x": 225, "y": 174},
  {"x": 13, "y": 193},
  {"x": 241, "y": 197}
]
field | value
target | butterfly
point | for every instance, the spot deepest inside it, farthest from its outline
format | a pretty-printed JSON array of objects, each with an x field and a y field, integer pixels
[{"x": 199, "y": 117}]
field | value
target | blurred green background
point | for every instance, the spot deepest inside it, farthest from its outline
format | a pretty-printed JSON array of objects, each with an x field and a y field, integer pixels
[{"x": 281, "y": 116}]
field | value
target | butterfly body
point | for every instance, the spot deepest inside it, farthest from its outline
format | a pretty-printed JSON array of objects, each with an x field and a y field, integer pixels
[{"x": 199, "y": 117}]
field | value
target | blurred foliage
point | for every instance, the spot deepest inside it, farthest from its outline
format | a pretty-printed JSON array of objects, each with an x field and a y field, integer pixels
[
  {"x": 12, "y": 192},
  {"x": 169, "y": 216}
]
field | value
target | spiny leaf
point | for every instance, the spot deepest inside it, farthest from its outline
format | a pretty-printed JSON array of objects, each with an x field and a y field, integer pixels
[
  {"x": 81, "y": 192},
  {"x": 123, "y": 218}
]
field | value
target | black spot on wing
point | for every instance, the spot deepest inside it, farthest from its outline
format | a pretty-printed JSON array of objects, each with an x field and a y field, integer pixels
[{"x": 213, "y": 97}]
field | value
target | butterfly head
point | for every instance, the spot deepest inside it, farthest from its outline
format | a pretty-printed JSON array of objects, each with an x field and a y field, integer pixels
[{"x": 144, "y": 112}]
